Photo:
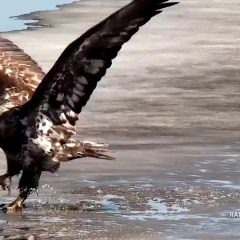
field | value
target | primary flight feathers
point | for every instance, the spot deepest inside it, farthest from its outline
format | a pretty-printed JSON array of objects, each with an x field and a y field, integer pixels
[{"x": 72, "y": 79}]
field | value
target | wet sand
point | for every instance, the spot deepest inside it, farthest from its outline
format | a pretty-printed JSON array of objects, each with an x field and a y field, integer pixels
[{"x": 169, "y": 107}]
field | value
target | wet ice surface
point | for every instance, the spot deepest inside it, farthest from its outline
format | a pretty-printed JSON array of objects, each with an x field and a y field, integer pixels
[
  {"x": 167, "y": 199},
  {"x": 169, "y": 106},
  {"x": 130, "y": 209}
]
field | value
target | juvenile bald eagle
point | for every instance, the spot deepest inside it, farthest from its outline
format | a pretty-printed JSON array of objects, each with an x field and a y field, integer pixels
[{"x": 39, "y": 112}]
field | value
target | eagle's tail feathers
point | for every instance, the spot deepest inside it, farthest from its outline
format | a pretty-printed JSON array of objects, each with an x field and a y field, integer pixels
[{"x": 76, "y": 149}]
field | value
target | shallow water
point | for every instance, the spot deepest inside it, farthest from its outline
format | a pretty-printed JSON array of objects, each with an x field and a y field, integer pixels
[{"x": 169, "y": 106}]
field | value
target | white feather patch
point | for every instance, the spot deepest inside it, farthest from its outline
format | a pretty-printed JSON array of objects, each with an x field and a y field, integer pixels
[
  {"x": 62, "y": 117},
  {"x": 44, "y": 143},
  {"x": 72, "y": 114},
  {"x": 44, "y": 125}
]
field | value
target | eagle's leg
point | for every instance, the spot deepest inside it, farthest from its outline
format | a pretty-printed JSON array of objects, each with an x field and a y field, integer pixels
[
  {"x": 28, "y": 182},
  {"x": 17, "y": 205},
  {"x": 74, "y": 149},
  {"x": 3, "y": 183}
]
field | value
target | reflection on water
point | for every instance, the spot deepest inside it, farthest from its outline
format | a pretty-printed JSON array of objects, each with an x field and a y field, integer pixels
[{"x": 10, "y": 9}]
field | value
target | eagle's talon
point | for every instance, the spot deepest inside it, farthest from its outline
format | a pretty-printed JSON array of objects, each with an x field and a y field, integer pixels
[
  {"x": 3, "y": 208},
  {"x": 4, "y": 185},
  {"x": 14, "y": 207}
]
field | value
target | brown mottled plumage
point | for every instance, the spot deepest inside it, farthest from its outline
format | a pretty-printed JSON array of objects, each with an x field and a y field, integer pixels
[
  {"x": 36, "y": 132},
  {"x": 19, "y": 74}
]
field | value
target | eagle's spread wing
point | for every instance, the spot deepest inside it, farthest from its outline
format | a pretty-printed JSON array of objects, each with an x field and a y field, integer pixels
[
  {"x": 68, "y": 85},
  {"x": 19, "y": 75}
]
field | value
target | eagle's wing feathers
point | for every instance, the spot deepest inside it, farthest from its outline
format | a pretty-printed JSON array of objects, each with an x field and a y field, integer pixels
[
  {"x": 69, "y": 84},
  {"x": 19, "y": 74}
]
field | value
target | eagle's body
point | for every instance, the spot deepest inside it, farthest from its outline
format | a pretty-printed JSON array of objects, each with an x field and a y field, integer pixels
[{"x": 39, "y": 112}]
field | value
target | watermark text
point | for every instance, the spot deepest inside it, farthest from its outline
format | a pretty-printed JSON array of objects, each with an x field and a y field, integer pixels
[{"x": 234, "y": 214}]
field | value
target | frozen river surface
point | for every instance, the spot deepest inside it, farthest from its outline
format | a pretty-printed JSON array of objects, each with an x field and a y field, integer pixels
[{"x": 169, "y": 107}]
